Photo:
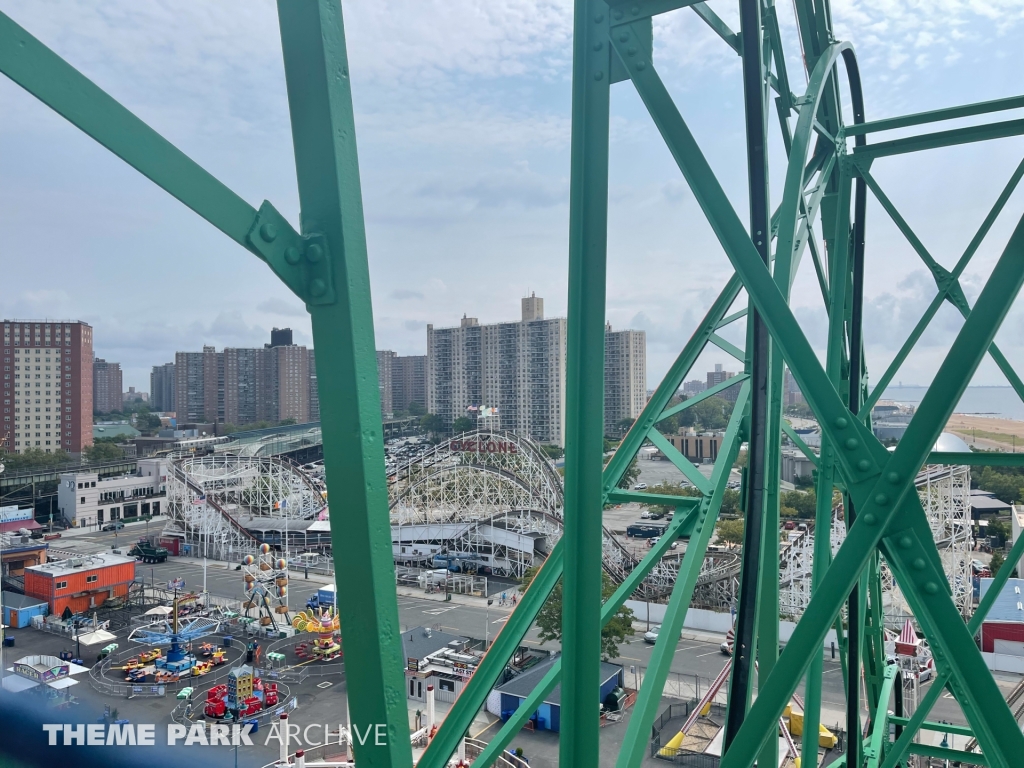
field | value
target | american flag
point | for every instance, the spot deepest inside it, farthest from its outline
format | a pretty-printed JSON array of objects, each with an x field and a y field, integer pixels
[{"x": 200, "y": 500}]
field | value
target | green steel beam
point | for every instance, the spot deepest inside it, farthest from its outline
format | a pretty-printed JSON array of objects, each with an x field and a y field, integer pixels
[
  {"x": 635, "y": 742},
  {"x": 880, "y": 724},
  {"x": 327, "y": 169},
  {"x": 732, "y": 318},
  {"x": 726, "y": 346},
  {"x": 628, "y": 11},
  {"x": 75, "y": 97},
  {"x": 621, "y": 496},
  {"x": 954, "y": 756},
  {"x": 928, "y": 725},
  {"x": 702, "y": 396},
  {"x": 681, "y": 463},
  {"x": 629, "y": 585},
  {"x": 804, "y": 448},
  {"x": 584, "y": 390},
  {"x": 895, "y": 753},
  {"x": 718, "y": 26},
  {"x": 961, "y": 265},
  {"x": 864, "y": 155},
  {"x": 877, "y": 510},
  {"x": 937, "y": 115}
]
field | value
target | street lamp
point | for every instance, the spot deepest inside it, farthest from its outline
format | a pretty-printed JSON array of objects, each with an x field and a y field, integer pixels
[{"x": 487, "y": 621}]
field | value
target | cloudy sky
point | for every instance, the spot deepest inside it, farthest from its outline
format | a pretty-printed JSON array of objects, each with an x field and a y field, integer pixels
[{"x": 463, "y": 129}]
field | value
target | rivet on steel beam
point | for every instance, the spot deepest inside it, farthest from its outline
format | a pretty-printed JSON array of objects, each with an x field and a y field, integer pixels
[
  {"x": 635, "y": 10},
  {"x": 841, "y": 422},
  {"x": 893, "y": 477},
  {"x": 598, "y": 75},
  {"x": 317, "y": 287},
  {"x": 314, "y": 253},
  {"x": 598, "y": 45},
  {"x": 631, "y": 51},
  {"x": 863, "y": 465},
  {"x": 881, "y": 499},
  {"x": 931, "y": 588},
  {"x": 292, "y": 255},
  {"x": 617, "y": 14},
  {"x": 919, "y": 564},
  {"x": 852, "y": 444},
  {"x": 641, "y": 65},
  {"x": 624, "y": 37},
  {"x": 268, "y": 232},
  {"x": 906, "y": 542},
  {"x": 599, "y": 18},
  {"x": 870, "y": 519}
]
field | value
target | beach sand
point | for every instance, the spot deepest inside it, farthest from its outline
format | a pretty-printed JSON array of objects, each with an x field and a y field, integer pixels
[{"x": 988, "y": 432}]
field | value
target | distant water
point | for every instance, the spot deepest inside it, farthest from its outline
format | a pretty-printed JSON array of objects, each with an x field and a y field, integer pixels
[{"x": 1000, "y": 402}]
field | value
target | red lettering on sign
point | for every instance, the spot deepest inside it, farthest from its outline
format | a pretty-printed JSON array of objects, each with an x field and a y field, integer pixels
[
  {"x": 491, "y": 447},
  {"x": 502, "y": 447},
  {"x": 455, "y": 445},
  {"x": 469, "y": 445}
]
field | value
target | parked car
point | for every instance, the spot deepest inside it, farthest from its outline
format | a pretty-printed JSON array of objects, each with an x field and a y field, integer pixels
[
  {"x": 645, "y": 515},
  {"x": 117, "y": 525},
  {"x": 651, "y": 636},
  {"x": 653, "y": 540},
  {"x": 726, "y": 648},
  {"x": 640, "y": 487}
]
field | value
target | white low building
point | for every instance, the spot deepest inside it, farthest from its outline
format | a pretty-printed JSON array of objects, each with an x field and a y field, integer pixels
[{"x": 87, "y": 500}]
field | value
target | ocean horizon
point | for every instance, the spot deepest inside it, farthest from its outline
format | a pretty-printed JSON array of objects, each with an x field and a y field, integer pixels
[{"x": 997, "y": 401}]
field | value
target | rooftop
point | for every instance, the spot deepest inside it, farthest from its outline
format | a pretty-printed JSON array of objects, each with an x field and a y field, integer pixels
[
  {"x": 420, "y": 642},
  {"x": 114, "y": 430},
  {"x": 1009, "y": 606},
  {"x": 14, "y": 600},
  {"x": 523, "y": 685},
  {"x": 85, "y": 563}
]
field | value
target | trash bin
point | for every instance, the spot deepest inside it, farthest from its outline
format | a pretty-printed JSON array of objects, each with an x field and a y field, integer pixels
[
  {"x": 254, "y": 723},
  {"x": 9, "y": 642},
  {"x": 227, "y": 641}
]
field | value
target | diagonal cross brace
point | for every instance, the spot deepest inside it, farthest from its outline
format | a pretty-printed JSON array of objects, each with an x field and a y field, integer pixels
[{"x": 870, "y": 492}]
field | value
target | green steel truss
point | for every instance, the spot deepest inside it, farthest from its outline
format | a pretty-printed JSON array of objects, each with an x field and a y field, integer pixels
[{"x": 821, "y": 214}]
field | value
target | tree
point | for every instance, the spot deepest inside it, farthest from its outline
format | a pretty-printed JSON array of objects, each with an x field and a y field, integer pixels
[
  {"x": 549, "y": 620},
  {"x": 463, "y": 424},
  {"x": 31, "y": 458},
  {"x": 623, "y": 426},
  {"x": 668, "y": 489},
  {"x": 805, "y": 503},
  {"x": 730, "y": 531},
  {"x": 997, "y": 562},
  {"x": 553, "y": 452},
  {"x": 712, "y": 413},
  {"x": 431, "y": 423},
  {"x": 631, "y": 475},
  {"x": 416, "y": 409},
  {"x": 103, "y": 451}
]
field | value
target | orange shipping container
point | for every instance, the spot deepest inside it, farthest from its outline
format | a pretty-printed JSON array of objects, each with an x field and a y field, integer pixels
[{"x": 80, "y": 583}]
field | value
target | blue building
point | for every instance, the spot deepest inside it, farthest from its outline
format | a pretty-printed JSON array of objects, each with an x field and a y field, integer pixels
[
  {"x": 508, "y": 696},
  {"x": 18, "y": 610}
]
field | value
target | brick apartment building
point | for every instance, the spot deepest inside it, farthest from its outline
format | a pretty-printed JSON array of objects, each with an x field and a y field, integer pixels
[{"x": 47, "y": 386}]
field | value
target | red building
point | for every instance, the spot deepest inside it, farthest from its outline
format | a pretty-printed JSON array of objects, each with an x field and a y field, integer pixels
[
  {"x": 1003, "y": 628},
  {"x": 46, "y": 386},
  {"x": 80, "y": 583}
]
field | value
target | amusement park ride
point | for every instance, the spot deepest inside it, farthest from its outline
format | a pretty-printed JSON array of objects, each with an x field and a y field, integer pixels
[
  {"x": 827, "y": 155},
  {"x": 266, "y": 586},
  {"x": 178, "y": 636}
]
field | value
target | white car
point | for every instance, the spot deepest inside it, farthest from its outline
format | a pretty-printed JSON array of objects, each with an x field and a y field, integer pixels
[
  {"x": 645, "y": 515},
  {"x": 651, "y": 636},
  {"x": 640, "y": 487}
]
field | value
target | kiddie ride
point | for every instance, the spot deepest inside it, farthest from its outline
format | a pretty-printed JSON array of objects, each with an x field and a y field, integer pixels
[
  {"x": 222, "y": 704},
  {"x": 179, "y": 660},
  {"x": 326, "y": 625}
]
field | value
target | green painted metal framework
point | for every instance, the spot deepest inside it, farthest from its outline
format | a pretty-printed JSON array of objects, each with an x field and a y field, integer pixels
[{"x": 828, "y": 174}]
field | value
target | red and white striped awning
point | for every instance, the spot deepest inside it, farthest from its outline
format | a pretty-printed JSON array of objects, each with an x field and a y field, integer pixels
[{"x": 908, "y": 642}]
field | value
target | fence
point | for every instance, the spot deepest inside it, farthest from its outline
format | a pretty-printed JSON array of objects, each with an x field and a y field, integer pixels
[
  {"x": 677, "y": 685},
  {"x": 678, "y": 755},
  {"x": 123, "y": 690}
]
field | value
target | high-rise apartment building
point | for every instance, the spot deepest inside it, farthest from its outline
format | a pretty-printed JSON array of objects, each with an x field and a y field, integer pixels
[
  {"x": 281, "y": 337},
  {"x": 717, "y": 376},
  {"x": 47, "y": 386},
  {"x": 107, "y": 386},
  {"x": 408, "y": 382},
  {"x": 314, "y": 389},
  {"x": 625, "y": 376},
  {"x": 385, "y": 361},
  {"x": 161, "y": 387},
  {"x": 519, "y": 369},
  {"x": 242, "y": 386},
  {"x": 694, "y": 387}
]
